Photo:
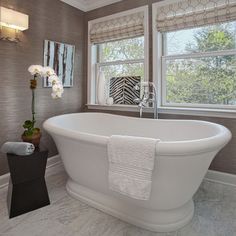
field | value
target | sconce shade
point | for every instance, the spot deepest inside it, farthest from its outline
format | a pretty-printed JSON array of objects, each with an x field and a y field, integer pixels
[{"x": 13, "y": 19}]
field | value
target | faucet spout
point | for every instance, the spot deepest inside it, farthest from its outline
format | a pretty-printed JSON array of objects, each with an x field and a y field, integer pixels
[{"x": 146, "y": 99}]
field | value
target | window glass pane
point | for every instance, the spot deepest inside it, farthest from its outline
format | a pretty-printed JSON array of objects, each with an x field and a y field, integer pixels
[
  {"x": 203, "y": 39},
  {"x": 134, "y": 69},
  {"x": 123, "y": 70},
  {"x": 208, "y": 80},
  {"x": 126, "y": 49}
]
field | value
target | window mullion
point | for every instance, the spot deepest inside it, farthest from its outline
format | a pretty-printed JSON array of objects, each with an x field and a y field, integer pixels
[
  {"x": 199, "y": 55},
  {"x": 120, "y": 62}
]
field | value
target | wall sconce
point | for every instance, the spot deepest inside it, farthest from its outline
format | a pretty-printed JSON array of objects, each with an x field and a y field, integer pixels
[{"x": 13, "y": 20}]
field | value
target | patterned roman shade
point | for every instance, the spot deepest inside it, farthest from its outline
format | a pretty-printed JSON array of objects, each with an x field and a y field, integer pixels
[
  {"x": 183, "y": 14},
  {"x": 118, "y": 28}
]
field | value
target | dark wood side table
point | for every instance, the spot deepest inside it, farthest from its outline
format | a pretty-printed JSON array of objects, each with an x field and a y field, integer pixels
[{"x": 27, "y": 189}]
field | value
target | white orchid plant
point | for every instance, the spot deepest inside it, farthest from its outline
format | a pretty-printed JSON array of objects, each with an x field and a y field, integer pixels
[
  {"x": 42, "y": 72},
  {"x": 38, "y": 72}
]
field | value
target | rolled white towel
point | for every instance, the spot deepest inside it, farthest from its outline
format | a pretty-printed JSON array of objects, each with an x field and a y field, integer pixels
[{"x": 18, "y": 148}]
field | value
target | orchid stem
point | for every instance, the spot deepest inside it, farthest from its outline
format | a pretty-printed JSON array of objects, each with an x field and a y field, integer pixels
[{"x": 33, "y": 103}]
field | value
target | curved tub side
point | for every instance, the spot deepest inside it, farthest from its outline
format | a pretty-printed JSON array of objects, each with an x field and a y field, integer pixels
[{"x": 175, "y": 178}]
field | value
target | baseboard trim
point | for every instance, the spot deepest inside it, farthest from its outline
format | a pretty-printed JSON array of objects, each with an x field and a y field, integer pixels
[
  {"x": 52, "y": 164},
  {"x": 4, "y": 180},
  {"x": 55, "y": 164},
  {"x": 53, "y": 161},
  {"x": 221, "y": 177}
]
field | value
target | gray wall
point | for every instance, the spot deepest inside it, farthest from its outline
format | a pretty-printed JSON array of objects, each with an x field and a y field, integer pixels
[
  {"x": 225, "y": 161},
  {"x": 54, "y": 20},
  {"x": 49, "y": 19}
]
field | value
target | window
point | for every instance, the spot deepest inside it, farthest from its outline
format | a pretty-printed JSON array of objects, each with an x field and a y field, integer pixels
[
  {"x": 120, "y": 55},
  {"x": 123, "y": 58},
  {"x": 200, "y": 66},
  {"x": 195, "y": 47}
]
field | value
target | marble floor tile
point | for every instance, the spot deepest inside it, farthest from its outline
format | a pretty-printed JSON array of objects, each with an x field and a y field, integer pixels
[{"x": 215, "y": 215}]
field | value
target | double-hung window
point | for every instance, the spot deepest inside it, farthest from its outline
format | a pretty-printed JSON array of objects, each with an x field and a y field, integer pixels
[
  {"x": 196, "y": 53},
  {"x": 117, "y": 49}
]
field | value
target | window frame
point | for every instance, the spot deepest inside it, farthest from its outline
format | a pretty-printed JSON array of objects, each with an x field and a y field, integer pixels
[
  {"x": 93, "y": 55},
  {"x": 159, "y": 75}
]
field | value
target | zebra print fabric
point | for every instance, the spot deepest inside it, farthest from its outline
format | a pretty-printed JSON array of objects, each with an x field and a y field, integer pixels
[{"x": 122, "y": 89}]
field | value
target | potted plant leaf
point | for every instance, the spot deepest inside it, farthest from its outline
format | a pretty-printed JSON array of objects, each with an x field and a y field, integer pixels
[{"x": 31, "y": 133}]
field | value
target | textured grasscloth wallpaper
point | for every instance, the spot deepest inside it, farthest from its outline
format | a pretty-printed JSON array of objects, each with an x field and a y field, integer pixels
[
  {"x": 226, "y": 160},
  {"x": 49, "y": 19},
  {"x": 54, "y": 20}
]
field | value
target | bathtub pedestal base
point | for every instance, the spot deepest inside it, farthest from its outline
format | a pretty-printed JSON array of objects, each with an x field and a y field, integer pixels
[{"x": 154, "y": 220}]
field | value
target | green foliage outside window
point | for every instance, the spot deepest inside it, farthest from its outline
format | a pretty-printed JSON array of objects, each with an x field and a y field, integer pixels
[
  {"x": 205, "y": 80},
  {"x": 123, "y": 50}
]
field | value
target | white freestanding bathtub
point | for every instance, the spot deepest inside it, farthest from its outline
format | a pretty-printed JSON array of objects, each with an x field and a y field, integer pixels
[{"x": 183, "y": 156}]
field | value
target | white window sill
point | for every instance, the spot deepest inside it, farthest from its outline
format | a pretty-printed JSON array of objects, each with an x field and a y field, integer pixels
[
  {"x": 116, "y": 107},
  {"x": 169, "y": 110}
]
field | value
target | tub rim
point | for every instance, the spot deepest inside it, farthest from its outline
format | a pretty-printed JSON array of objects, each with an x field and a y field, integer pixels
[{"x": 165, "y": 148}]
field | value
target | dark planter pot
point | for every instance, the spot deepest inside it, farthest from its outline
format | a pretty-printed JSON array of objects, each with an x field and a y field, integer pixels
[{"x": 34, "y": 139}]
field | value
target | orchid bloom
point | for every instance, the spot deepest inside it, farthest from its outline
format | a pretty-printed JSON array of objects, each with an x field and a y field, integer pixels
[
  {"x": 57, "y": 87},
  {"x": 35, "y": 70},
  {"x": 48, "y": 71}
]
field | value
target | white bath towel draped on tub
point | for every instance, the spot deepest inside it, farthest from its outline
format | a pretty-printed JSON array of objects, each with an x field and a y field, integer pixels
[{"x": 131, "y": 163}]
